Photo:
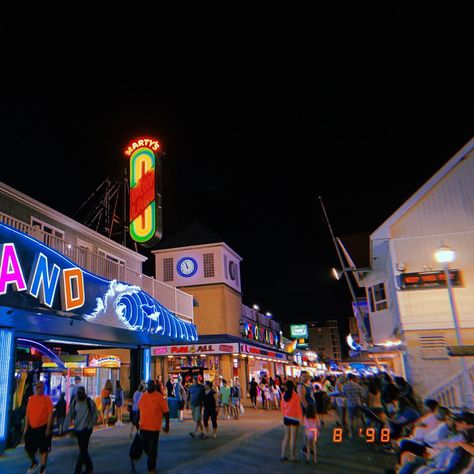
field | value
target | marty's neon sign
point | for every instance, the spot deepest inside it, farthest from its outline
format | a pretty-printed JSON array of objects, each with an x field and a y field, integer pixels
[
  {"x": 145, "y": 197},
  {"x": 43, "y": 280}
]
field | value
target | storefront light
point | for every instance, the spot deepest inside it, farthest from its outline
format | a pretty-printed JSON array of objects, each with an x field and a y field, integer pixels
[
  {"x": 235, "y": 355},
  {"x": 170, "y": 357},
  {"x": 202, "y": 355}
]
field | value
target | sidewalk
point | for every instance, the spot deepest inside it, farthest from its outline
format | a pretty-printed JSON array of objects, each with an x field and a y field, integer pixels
[{"x": 249, "y": 445}]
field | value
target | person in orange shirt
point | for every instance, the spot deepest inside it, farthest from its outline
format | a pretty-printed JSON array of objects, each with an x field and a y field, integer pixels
[
  {"x": 106, "y": 401},
  {"x": 292, "y": 417},
  {"x": 152, "y": 408},
  {"x": 38, "y": 427}
]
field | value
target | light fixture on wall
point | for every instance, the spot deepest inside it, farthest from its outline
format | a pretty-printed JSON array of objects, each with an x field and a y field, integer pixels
[{"x": 401, "y": 267}]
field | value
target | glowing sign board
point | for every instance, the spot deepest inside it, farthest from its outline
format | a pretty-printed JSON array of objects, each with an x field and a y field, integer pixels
[
  {"x": 34, "y": 277},
  {"x": 145, "y": 196}
]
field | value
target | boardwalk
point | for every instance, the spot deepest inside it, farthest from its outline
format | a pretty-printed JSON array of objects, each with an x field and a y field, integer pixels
[{"x": 250, "y": 445}]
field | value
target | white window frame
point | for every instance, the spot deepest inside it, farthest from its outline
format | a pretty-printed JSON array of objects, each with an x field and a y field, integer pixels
[{"x": 35, "y": 221}]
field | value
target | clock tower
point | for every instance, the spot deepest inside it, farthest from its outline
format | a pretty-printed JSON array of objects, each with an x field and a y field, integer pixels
[{"x": 208, "y": 271}]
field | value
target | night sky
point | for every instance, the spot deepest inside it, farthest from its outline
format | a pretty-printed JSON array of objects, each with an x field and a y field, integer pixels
[{"x": 248, "y": 158}]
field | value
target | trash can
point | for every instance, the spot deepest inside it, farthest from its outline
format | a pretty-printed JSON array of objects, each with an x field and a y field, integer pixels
[{"x": 173, "y": 406}]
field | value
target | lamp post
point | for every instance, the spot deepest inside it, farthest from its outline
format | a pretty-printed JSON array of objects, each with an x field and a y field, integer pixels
[{"x": 445, "y": 255}]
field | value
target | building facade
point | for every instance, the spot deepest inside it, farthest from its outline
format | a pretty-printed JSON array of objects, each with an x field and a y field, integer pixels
[
  {"x": 411, "y": 318},
  {"x": 325, "y": 340},
  {"x": 234, "y": 339},
  {"x": 73, "y": 302}
]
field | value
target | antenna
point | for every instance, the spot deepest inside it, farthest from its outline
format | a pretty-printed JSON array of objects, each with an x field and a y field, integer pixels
[{"x": 346, "y": 273}]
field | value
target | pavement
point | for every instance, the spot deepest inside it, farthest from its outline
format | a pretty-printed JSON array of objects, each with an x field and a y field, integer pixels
[{"x": 249, "y": 445}]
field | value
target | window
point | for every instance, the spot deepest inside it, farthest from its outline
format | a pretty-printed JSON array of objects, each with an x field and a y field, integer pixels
[
  {"x": 47, "y": 229},
  {"x": 377, "y": 297},
  {"x": 208, "y": 265},
  {"x": 168, "y": 267},
  {"x": 226, "y": 271}
]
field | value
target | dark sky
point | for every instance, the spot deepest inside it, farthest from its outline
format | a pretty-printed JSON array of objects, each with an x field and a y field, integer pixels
[{"x": 246, "y": 153}]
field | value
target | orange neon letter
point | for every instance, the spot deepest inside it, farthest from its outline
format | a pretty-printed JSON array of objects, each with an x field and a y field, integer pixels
[{"x": 69, "y": 299}]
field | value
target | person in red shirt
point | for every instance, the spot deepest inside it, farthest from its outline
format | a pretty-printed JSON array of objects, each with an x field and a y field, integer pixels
[
  {"x": 152, "y": 408},
  {"x": 38, "y": 427}
]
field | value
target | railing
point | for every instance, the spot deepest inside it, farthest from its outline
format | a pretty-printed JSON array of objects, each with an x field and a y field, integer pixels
[
  {"x": 175, "y": 300},
  {"x": 449, "y": 394}
]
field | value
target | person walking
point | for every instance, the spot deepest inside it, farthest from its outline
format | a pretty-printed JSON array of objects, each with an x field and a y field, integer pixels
[
  {"x": 210, "y": 407},
  {"x": 292, "y": 416},
  {"x": 38, "y": 428},
  {"x": 180, "y": 394},
  {"x": 225, "y": 396},
  {"x": 77, "y": 384},
  {"x": 196, "y": 396},
  {"x": 118, "y": 403},
  {"x": 60, "y": 412},
  {"x": 83, "y": 413},
  {"x": 253, "y": 390},
  {"x": 235, "y": 398},
  {"x": 135, "y": 415},
  {"x": 312, "y": 426},
  {"x": 170, "y": 388},
  {"x": 153, "y": 408},
  {"x": 106, "y": 401},
  {"x": 353, "y": 393}
]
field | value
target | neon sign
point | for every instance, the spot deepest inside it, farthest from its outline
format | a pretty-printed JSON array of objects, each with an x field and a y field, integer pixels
[
  {"x": 11, "y": 273},
  {"x": 145, "y": 198},
  {"x": 29, "y": 267}
]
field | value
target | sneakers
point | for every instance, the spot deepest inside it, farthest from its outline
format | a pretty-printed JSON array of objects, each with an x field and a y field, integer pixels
[
  {"x": 203, "y": 436},
  {"x": 193, "y": 435},
  {"x": 33, "y": 468}
]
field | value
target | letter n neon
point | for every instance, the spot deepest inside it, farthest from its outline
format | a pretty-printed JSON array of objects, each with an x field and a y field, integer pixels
[{"x": 39, "y": 278}]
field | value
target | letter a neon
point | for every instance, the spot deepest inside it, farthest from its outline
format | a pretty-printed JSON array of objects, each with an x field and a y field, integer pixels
[{"x": 10, "y": 269}]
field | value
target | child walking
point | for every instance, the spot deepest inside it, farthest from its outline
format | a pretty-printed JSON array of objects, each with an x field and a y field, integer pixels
[{"x": 312, "y": 425}]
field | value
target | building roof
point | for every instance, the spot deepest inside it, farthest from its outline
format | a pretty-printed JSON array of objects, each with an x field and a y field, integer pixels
[
  {"x": 383, "y": 231},
  {"x": 196, "y": 233}
]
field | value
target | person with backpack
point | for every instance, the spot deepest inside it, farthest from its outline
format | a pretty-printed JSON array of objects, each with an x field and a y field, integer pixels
[{"x": 83, "y": 413}]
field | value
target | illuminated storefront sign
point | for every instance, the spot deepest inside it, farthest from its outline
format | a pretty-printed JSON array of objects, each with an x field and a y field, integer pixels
[
  {"x": 259, "y": 333},
  {"x": 248, "y": 349},
  {"x": 185, "y": 350},
  {"x": 300, "y": 333},
  {"x": 31, "y": 272},
  {"x": 426, "y": 280},
  {"x": 109, "y": 361},
  {"x": 145, "y": 196}
]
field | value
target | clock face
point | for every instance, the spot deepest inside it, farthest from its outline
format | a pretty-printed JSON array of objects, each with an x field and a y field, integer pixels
[
  {"x": 187, "y": 267},
  {"x": 232, "y": 270}
]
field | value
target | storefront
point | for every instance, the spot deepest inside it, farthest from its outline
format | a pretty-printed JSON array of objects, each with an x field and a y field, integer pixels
[
  {"x": 52, "y": 310},
  {"x": 229, "y": 358}
]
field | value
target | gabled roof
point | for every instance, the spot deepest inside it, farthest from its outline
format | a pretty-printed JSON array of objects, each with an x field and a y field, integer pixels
[{"x": 383, "y": 231}]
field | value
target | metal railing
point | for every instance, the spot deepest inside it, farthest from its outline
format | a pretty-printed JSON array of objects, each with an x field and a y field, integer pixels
[
  {"x": 449, "y": 394},
  {"x": 173, "y": 299}
]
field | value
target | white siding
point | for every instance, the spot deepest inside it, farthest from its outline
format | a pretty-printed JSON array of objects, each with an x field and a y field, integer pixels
[{"x": 446, "y": 207}]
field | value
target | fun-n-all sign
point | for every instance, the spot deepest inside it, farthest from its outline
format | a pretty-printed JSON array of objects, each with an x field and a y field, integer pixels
[
  {"x": 34, "y": 277},
  {"x": 145, "y": 196}
]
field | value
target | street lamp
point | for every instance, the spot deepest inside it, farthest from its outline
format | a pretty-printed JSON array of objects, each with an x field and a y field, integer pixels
[{"x": 446, "y": 255}]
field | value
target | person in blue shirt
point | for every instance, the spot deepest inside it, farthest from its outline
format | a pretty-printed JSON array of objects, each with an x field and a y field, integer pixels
[{"x": 196, "y": 400}]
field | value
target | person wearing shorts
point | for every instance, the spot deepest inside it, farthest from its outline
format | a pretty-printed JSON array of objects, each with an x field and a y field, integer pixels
[
  {"x": 196, "y": 396},
  {"x": 106, "y": 400},
  {"x": 38, "y": 428}
]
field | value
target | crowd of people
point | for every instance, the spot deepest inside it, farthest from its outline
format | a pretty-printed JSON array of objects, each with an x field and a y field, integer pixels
[{"x": 425, "y": 437}]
